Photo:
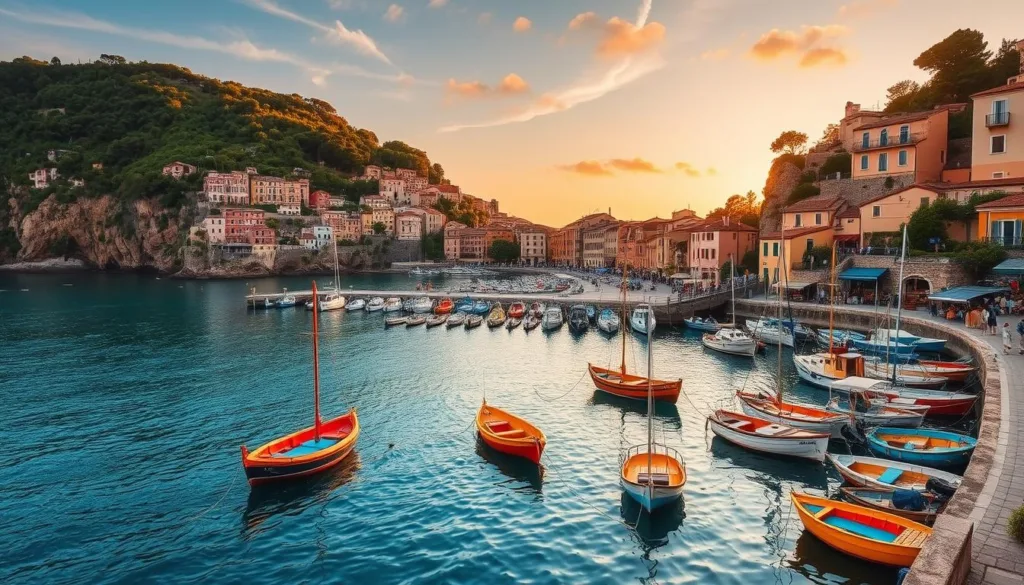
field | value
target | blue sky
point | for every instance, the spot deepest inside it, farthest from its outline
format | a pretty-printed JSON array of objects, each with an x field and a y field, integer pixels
[{"x": 664, "y": 110}]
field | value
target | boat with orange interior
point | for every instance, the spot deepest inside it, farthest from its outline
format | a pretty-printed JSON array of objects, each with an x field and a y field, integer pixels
[
  {"x": 509, "y": 434},
  {"x": 310, "y": 450},
  {"x": 517, "y": 310},
  {"x": 444, "y": 306},
  {"x": 625, "y": 385}
]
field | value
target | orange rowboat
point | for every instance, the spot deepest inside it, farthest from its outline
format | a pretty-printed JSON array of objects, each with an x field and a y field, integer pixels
[
  {"x": 865, "y": 533},
  {"x": 444, "y": 306},
  {"x": 509, "y": 434},
  {"x": 516, "y": 310},
  {"x": 310, "y": 450}
]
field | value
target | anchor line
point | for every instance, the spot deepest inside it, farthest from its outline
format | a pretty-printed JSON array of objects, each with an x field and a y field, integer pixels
[
  {"x": 188, "y": 522},
  {"x": 551, "y": 466},
  {"x": 545, "y": 398}
]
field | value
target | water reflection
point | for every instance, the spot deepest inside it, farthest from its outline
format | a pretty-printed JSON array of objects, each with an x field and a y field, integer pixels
[
  {"x": 820, "y": 563},
  {"x": 530, "y": 476},
  {"x": 665, "y": 411},
  {"x": 293, "y": 497},
  {"x": 651, "y": 531}
]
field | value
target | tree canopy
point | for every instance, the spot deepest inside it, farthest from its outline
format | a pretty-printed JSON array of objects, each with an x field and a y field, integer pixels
[
  {"x": 790, "y": 142},
  {"x": 741, "y": 208},
  {"x": 462, "y": 212},
  {"x": 503, "y": 251}
]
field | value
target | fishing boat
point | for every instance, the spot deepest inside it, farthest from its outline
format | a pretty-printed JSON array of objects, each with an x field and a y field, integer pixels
[
  {"x": 513, "y": 322},
  {"x": 709, "y": 324},
  {"x": 509, "y": 434},
  {"x": 395, "y": 321},
  {"x": 938, "y": 402},
  {"x": 767, "y": 437},
  {"x": 286, "y": 301},
  {"x": 392, "y": 305},
  {"x": 310, "y": 450},
  {"x": 922, "y": 446},
  {"x": 865, "y": 533},
  {"x": 591, "y": 313},
  {"x": 927, "y": 344},
  {"x": 822, "y": 369},
  {"x": 517, "y": 310},
  {"x": 552, "y": 319},
  {"x": 531, "y": 322},
  {"x": 873, "y": 472},
  {"x": 537, "y": 309},
  {"x": 422, "y": 306},
  {"x": 642, "y": 318},
  {"x": 730, "y": 341},
  {"x": 957, "y": 371},
  {"x": 839, "y": 337},
  {"x": 910, "y": 375},
  {"x": 917, "y": 506},
  {"x": 415, "y": 320},
  {"x": 578, "y": 320},
  {"x": 770, "y": 332},
  {"x": 375, "y": 304},
  {"x": 332, "y": 302},
  {"x": 436, "y": 320},
  {"x": 794, "y": 327},
  {"x": 456, "y": 320},
  {"x": 473, "y": 321},
  {"x": 872, "y": 345},
  {"x": 481, "y": 308},
  {"x": 497, "y": 316},
  {"x": 465, "y": 305},
  {"x": 872, "y": 413},
  {"x": 652, "y": 474},
  {"x": 444, "y": 307},
  {"x": 608, "y": 321},
  {"x": 356, "y": 305}
]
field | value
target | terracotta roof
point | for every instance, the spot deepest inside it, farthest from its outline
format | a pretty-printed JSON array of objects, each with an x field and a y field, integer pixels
[
  {"x": 925, "y": 186},
  {"x": 790, "y": 234},
  {"x": 718, "y": 225},
  {"x": 817, "y": 203},
  {"x": 1010, "y": 182},
  {"x": 904, "y": 118},
  {"x": 849, "y": 212},
  {"x": 1016, "y": 200},
  {"x": 1001, "y": 89},
  {"x": 447, "y": 188}
]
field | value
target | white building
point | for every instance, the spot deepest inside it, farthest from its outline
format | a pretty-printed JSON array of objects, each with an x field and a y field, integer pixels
[
  {"x": 394, "y": 191},
  {"x": 322, "y": 235},
  {"x": 227, "y": 188},
  {"x": 533, "y": 246},
  {"x": 213, "y": 225},
  {"x": 289, "y": 209},
  {"x": 77, "y": 182},
  {"x": 408, "y": 225},
  {"x": 41, "y": 177},
  {"x": 178, "y": 169}
]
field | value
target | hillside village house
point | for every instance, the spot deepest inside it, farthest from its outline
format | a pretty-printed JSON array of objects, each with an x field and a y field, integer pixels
[
  {"x": 433, "y": 220},
  {"x": 289, "y": 209},
  {"x": 344, "y": 225},
  {"x": 385, "y": 216},
  {"x": 408, "y": 225},
  {"x": 316, "y": 237},
  {"x": 275, "y": 191},
  {"x": 239, "y": 222},
  {"x": 1000, "y": 221},
  {"x": 566, "y": 244},
  {"x": 797, "y": 243},
  {"x": 452, "y": 250},
  {"x": 178, "y": 169},
  {"x": 375, "y": 201},
  {"x": 394, "y": 191},
  {"x": 213, "y": 225},
  {"x": 319, "y": 199},
  {"x": 227, "y": 188},
  {"x": 41, "y": 177},
  {"x": 998, "y": 150},
  {"x": 372, "y": 172},
  {"x": 471, "y": 244},
  {"x": 913, "y": 144},
  {"x": 533, "y": 248},
  {"x": 715, "y": 242},
  {"x": 594, "y": 244}
]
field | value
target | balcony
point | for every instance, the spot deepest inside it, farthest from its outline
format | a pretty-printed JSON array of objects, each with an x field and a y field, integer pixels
[
  {"x": 1006, "y": 241},
  {"x": 997, "y": 119},
  {"x": 888, "y": 142}
]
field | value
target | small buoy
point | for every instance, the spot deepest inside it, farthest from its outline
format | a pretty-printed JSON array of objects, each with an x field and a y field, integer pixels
[
  {"x": 24, "y": 290},
  {"x": 68, "y": 284},
  {"x": 391, "y": 445}
]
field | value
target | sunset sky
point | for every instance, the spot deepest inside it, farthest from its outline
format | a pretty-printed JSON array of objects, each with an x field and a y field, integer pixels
[{"x": 557, "y": 108}]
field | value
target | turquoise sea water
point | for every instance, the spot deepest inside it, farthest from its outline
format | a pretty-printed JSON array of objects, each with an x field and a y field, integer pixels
[{"x": 126, "y": 398}]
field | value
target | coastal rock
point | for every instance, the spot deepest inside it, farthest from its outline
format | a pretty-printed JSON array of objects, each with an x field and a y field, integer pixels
[{"x": 783, "y": 177}]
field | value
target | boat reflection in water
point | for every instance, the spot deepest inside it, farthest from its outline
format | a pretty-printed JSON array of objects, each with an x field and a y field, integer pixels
[
  {"x": 666, "y": 412},
  {"x": 821, "y": 563},
  {"x": 293, "y": 497},
  {"x": 529, "y": 475},
  {"x": 652, "y": 530}
]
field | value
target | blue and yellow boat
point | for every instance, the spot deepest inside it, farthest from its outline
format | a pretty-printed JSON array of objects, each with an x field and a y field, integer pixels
[
  {"x": 465, "y": 305},
  {"x": 922, "y": 446}
]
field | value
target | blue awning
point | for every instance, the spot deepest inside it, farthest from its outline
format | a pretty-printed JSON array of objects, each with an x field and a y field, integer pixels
[
  {"x": 1011, "y": 267},
  {"x": 862, "y": 273},
  {"x": 964, "y": 294}
]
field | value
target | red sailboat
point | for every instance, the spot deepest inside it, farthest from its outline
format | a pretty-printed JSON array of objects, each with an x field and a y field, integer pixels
[{"x": 310, "y": 450}]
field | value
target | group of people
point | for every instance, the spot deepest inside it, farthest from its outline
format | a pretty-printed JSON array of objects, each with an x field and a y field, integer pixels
[{"x": 983, "y": 317}]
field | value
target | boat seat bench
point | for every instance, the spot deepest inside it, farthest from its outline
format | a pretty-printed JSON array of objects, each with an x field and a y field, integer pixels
[
  {"x": 890, "y": 475},
  {"x": 860, "y": 529},
  {"x": 656, "y": 478},
  {"x": 911, "y": 537},
  {"x": 511, "y": 434}
]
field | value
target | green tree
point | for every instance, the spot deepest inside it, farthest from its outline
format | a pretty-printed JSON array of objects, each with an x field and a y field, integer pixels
[
  {"x": 790, "y": 142},
  {"x": 958, "y": 64},
  {"x": 830, "y": 137},
  {"x": 55, "y": 61},
  {"x": 801, "y": 192},
  {"x": 378, "y": 227},
  {"x": 750, "y": 262},
  {"x": 273, "y": 223},
  {"x": 979, "y": 258},
  {"x": 1005, "y": 63},
  {"x": 436, "y": 175},
  {"x": 925, "y": 223},
  {"x": 901, "y": 96},
  {"x": 837, "y": 163},
  {"x": 432, "y": 246},
  {"x": 741, "y": 208},
  {"x": 503, "y": 251}
]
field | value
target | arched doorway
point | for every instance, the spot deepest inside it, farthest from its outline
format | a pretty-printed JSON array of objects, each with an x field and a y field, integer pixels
[{"x": 916, "y": 289}]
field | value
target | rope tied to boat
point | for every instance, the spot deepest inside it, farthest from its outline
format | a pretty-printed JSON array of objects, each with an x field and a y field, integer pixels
[{"x": 567, "y": 392}]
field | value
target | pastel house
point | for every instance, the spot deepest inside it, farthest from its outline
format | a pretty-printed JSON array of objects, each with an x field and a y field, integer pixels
[{"x": 908, "y": 144}]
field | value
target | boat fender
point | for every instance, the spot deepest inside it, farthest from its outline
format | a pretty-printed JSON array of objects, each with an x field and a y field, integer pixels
[
  {"x": 908, "y": 500},
  {"x": 940, "y": 487}
]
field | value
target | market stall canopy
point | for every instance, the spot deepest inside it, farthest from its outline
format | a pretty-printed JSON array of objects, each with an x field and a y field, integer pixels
[
  {"x": 965, "y": 294},
  {"x": 1011, "y": 267},
  {"x": 847, "y": 238},
  {"x": 794, "y": 285},
  {"x": 862, "y": 273}
]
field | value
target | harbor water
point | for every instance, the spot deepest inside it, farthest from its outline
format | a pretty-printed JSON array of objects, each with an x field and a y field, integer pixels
[{"x": 126, "y": 398}]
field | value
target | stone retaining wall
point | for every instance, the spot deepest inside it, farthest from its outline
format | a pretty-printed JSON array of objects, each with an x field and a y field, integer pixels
[
  {"x": 946, "y": 556},
  {"x": 941, "y": 273}
]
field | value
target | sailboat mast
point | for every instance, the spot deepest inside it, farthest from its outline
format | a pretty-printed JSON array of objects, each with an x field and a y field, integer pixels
[
  {"x": 832, "y": 300},
  {"x": 732, "y": 281},
  {"x": 650, "y": 399},
  {"x": 782, "y": 264},
  {"x": 624, "y": 323},
  {"x": 899, "y": 304},
  {"x": 316, "y": 365}
]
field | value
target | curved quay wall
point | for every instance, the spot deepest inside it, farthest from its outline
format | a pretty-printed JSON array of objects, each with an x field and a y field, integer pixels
[{"x": 946, "y": 556}]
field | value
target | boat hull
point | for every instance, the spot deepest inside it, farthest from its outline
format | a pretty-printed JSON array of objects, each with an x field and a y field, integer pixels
[
  {"x": 530, "y": 445},
  {"x": 881, "y": 442},
  {"x": 881, "y": 499},
  {"x": 799, "y": 447},
  {"x": 729, "y": 347},
  {"x": 264, "y": 466},
  {"x": 701, "y": 325},
  {"x": 870, "y": 472},
  {"x": 633, "y": 387},
  {"x": 651, "y": 497},
  {"x": 761, "y": 409}
]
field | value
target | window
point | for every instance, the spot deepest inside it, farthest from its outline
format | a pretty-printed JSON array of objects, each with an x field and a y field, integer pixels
[
  {"x": 712, "y": 253},
  {"x": 797, "y": 221},
  {"x": 904, "y": 134},
  {"x": 883, "y": 137},
  {"x": 998, "y": 144},
  {"x": 883, "y": 161},
  {"x": 924, "y": 202},
  {"x": 999, "y": 109},
  {"x": 865, "y": 138},
  {"x": 998, "y": 175},
  {"x": 817, "y": 219},
  {"x": 775, "y": 249},
  {"x": 902, "y": 158},
  {"x": 810, "y": 244},
  {"x": 863, "y": 162},
  {"x": 876, "y": 211},
  {"x": 765, "y": 254}
]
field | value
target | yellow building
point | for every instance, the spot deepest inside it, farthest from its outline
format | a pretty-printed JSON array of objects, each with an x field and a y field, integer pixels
[
  {"x": 1000, "y": 221},
  {"x": 772, "y": 250},
  {"x": 812, "y": 212},
  {"x": 888, "y": 213}
]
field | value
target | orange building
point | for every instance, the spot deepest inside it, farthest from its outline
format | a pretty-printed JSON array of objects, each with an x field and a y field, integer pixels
[
  {"x": 715, "y": 242},
  {"x": 566, "y": 245},
  {"x": 998, "y": 146},
  {"x": 904, "y": 144}
]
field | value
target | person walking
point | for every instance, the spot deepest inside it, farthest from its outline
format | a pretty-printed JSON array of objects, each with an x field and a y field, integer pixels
[
  {"x": 1007, "y": 339},
  {"x": 992, "y": 322},
  {"x": 1020, "y": 333}
]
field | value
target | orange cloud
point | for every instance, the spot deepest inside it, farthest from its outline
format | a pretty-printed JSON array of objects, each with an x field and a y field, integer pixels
[
  {"x": 635, "y": 165},
  {"x": 823, "y": 56},
  {"x": 522, "y": 24},
  {"x": 622, "y": 37},
  {"x": 512, "y": 84},
  {"x": 583, "y": 20},
  {"x": 394, "y": 13},
  {"x": 590, "y": 168},
  {"x": 774, "y": 43},
  {"x": 687, "y": 168},
  {"x": 466, "y": 89}
]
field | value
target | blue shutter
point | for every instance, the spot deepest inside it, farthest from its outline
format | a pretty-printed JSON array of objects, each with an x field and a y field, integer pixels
[{"x": 1016, "y": 232}]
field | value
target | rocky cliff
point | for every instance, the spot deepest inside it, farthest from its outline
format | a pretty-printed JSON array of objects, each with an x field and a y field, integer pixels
[{"x": 783, "y": 176}]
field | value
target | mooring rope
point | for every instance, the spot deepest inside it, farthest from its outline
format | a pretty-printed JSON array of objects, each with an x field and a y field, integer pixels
[{"x": 542, "y": 397}]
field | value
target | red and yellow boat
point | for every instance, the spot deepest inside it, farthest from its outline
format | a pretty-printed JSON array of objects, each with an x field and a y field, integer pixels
[
  {"x": 517, "y": 310},
  {"x": 444, "y": 306},
  {"x": 509, "y": 434},
  {"x": 310, "y": 450},
  {"x": 865, "y": 533}
]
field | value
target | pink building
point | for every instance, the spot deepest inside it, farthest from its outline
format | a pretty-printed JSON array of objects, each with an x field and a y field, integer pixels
[
  {"x": 433, "y": 220},
  {"x": 178, "y": 169},
  {"x": 345, "y": 226},
  {"x": 715, "y": 242},
  {"x": 239, "y": 222},
  {"x": 277, "y": 191},
  {"x": 227, "y": 188},
  {"x": 41, "y": 177},
  {"x": 998, "y": 130},
  {"x": 408, "y": 225},
  {"x": 452, "y": 240},
  {"x": 319, "y": 200}
]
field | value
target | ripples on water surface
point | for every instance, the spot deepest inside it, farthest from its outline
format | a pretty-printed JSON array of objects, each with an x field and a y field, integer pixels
[{"x": 126, "y": 399}]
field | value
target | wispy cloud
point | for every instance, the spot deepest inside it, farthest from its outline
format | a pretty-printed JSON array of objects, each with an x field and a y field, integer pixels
[
  {"x": 687, "y": 168},
  {"x": 510, "y": 85},
  {"x": 394, "y": 13},
  {"x": 807, "y": 43},
  {"x": 823, "y": 56},
  {"x": 633, "y": 165},
  {"x": 594, "y": 168},
  {"x": 522, "y": 24},
  {"x": 590, "y": 168},
  {"x": 624, "y": 38},
  {"x": 584, "y": 20}
]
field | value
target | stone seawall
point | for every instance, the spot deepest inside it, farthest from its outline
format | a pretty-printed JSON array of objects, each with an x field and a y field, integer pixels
[{"x": 946, "y": 557}]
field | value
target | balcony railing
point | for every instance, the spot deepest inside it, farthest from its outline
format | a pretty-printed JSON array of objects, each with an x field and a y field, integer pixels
[
  {"x": 997, "y": 119},
  {"x": 888, "y": 142},
  {"x": 1006, "y": 241}
]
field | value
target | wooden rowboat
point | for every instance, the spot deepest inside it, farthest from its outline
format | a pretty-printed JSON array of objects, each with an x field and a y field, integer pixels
[
  {"x": 653, "y": 475},
  {"x": 444, "y": 306},
  {"x": 874, "y": 472},
  {"x": 922, "y": 446},
  {"x": 509, "y": 434},
  {"x": 865, "y": 533},
  {"x": 767, "y": 437},
  {"x": 623, "y": 385},
  {"x": 793, "y": 414},
  {"x": 881, "y": 499}
]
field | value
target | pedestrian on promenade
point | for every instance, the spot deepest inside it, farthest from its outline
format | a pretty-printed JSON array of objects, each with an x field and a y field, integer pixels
[
  {"x": 1020, "y": 333},
  {"x": 1007, "y": 339},
  {"x": 992, "y": 322}
]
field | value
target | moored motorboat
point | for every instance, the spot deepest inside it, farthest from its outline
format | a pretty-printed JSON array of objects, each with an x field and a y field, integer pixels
[
  {"x": 455, "y": 320},
  {"x": 730, "y": 341},
  {"x": 578, "y": 320},
  {"x": 865, "y": 533},
  {"x": 436, "y": 320},
  {"x": 791, "y": 414},
  {"x": 465, "y": 305},
  {"x": 956, "y": 371},
  {"x": 552, "y": 319},
  {"x": 939, "y": 402},
  {"x": 356, "y": 305},
  {"x": 392, "y": 305},
  {"x": 473, "y": 321},
  {"x": 905, "y": 375},
  {"x": 497, "y": 317},
  {"x": 871, "y": 413},
  {"x": 873, "y": 346},
  {"x": 415, "y": 320},
  {"x": 286, "y": 301},
  {"x": 310, "y": 450},
  {"x": 332, "y": 302},
  {"x": 509, "y": 434},
  {"x": 839, "y": 337},
  {"x": 929, "y": 447},
  {"x": 608, "y": 321},
  {"x": 531, "y": 322},
  {"x": 928, "y": 344},
  {"x": 394, "y": 321},
  {"x": 763, "y": 436},
  {"x": 642, "y": 318},
  {"x": 769, "y": 331},
  {"x": 444, "y": 306},
  {"x": 916, "y": 506},
  {"x": 375, "y": 304},
  {"x": 874, "y": 472},
  {"x": 696, "y": 323},
  {"x": 517, "y": 310},
  {"x": 481, "y": 308},
  {"x": 422, "y": 305},
  {"x": 513, "y": 322},
  {"x": 537, "y": 309}
]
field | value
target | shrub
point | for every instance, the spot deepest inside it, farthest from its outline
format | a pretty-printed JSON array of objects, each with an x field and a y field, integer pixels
[
  {"x": 1015, "y": 525},
  {"x": 802, "y": 191},
  {"x": 837, "y": 163}
]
